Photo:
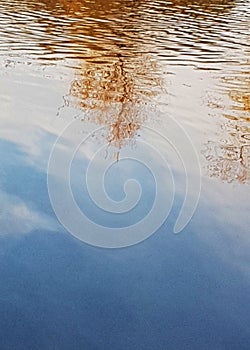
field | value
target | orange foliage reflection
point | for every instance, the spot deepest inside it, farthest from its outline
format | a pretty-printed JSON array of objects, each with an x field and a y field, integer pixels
[{"x": 117, "y": 93}]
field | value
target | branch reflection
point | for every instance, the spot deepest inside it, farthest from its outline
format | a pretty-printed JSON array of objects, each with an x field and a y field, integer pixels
[{"x": 118, "y": 93}]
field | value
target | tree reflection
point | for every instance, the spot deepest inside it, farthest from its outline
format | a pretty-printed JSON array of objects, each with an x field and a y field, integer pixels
[
  {"x": 117, "y": 93},
  {"x": 229, "y": 158}
]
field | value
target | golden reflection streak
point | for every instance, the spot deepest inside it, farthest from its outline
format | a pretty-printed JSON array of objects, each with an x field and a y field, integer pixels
[{"x": 97, "y": 7}]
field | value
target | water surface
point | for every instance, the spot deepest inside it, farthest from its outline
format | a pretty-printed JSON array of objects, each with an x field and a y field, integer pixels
[{"x": 125, "y": 65}]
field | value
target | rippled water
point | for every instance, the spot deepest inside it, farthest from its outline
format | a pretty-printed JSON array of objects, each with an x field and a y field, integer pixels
[
  {"x": 183, "y": 57},
  {"x": 127, "y": 66},
  {"x": 201, "y": 33}
]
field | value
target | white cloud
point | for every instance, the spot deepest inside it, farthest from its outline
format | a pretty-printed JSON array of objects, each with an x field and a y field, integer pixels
[{"x": 17, "y": 217}]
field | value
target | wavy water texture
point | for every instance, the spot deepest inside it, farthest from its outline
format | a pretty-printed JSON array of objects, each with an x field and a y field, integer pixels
[{"x": 179, "y": 32}]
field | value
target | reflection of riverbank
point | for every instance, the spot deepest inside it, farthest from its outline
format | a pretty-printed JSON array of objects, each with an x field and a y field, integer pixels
[{"x": 179, "y": 31}]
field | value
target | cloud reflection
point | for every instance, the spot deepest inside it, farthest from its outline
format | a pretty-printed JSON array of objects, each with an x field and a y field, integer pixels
[{"x": 18, "y": 217}]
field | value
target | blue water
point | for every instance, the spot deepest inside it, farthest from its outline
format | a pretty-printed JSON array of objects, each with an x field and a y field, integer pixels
[{"x": 187, "y": 291}]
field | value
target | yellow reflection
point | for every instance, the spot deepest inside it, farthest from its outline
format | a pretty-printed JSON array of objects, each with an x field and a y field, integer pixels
[
  {"x": 77, "y": 8},
  {"x": 242, "y": 101},
  {"x": 117, "y": 94},
  {"x": 95, "y": 7}
]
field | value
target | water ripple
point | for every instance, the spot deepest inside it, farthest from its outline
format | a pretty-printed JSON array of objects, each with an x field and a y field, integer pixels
[{"x": 179, "y": 32}]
